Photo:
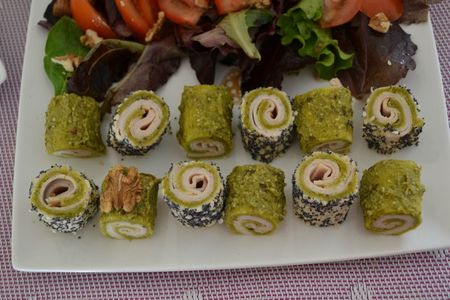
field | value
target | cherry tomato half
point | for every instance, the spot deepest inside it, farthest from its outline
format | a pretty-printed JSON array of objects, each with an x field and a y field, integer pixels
[
  {"x": 181, "y": 13},
  {"x": 338, "y": 12},
  {"x": 132, "y": 18},
  {"x": 228, "y": 6},
  {"x": 393, "y": 9},
  {"x": 87, "y": 17}
]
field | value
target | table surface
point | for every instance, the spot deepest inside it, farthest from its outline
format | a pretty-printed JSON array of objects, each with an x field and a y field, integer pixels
[{"x": 413, "y": 276}]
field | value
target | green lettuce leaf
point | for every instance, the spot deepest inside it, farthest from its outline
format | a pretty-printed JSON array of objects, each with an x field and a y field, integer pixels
[
  {"x": 63, "y": 39},
  {"x": 236, "y": 27},
  {"x": 300, "y": 24}
]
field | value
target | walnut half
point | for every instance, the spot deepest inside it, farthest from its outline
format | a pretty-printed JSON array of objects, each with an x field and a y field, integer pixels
[
  {"x": 380, "y": 23},
  {"x": 122, "y": 189}
]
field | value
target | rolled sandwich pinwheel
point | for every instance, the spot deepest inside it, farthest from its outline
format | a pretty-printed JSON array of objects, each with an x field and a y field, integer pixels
[
  {"x": 255, "y": 200},
  {"x": 325, "y": 185},
  {"x": 391, "y": 120},
  {"x": 139, "y": 123},
  {"x": 64, "y": 199},
  {"x": 391, "y": 197},
  {"x": 205, "y": 121},
  {"x": 324, "y": 120},
  {"x": 72, "y": 126},
  {"x": 193, "y": 192},
  {"x": 128, "y": 204},
  {"x": 267, "y": 123}
]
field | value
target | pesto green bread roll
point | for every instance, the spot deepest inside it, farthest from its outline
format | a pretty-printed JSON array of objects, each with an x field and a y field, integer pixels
[
  {"x": 324, "y": 120},
  {"x": 63, "y": 198},
  {"x": 267, "y": 123},
  {"x": 255, "y": 200},
  {"x": 193, "y": 191},
  {"x": 391, "y": 197},
  {"x": 205, "y": 121},
  {"x": 139, "y": 123},
  {"x": 325, "y": 185},
  {"x": 72, "y": 127},
  {"x": 391, "y": 120},
  {"x": 128, "y": 204}
]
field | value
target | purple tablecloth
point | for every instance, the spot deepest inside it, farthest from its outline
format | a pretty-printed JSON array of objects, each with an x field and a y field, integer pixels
[{"x": 413, "y": 276}]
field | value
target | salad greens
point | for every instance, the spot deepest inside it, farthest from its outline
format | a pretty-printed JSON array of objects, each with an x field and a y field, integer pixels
[
  {"x": 300, "y": 23},
  {"x": 63, "y": 39},
  {"x": 236, "y": 27}
]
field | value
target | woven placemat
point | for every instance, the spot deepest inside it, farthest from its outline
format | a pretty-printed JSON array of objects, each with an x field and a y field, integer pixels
[{"x": 413, "y": 276}]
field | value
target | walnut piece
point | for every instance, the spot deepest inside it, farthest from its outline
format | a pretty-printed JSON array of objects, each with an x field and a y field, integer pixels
[
  {"x": 260, "y": 3},
  {"x": 90, "y": 38},
  {"x": 123, "y": 189},
  {"x": 155, "y": 28},
  {"x": 380, "y": 23},
  {"x": 69, "y": 62}
]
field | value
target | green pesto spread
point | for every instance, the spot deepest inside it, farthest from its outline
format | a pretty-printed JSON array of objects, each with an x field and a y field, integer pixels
[
  {"x": 324, "y": 115},
  {"x": 140, "y": 113},
  {"x": 144, "y": 213},
  {"x": 391, "y": 187},
  {"x": 179, "y": 184},
  {"x": 255, "y": 190},
  {"x": 81, "y": 196},
  {"x": 205, "y": 114},
  {"x": 417, "y": 121},
  {"x": 346, "y": 169},
  {"x": 73, "y": 126},
  {"x": 251, "y": 96}
]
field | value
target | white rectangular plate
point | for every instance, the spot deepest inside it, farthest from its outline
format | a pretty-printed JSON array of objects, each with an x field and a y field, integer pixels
[{"x": 174, "y": 247}]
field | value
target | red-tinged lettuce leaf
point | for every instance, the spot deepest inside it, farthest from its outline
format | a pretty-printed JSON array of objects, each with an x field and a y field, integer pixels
[
  {"x": 276, "y": 61},
  {"x": 381, "y": 59},
  {"x": 104, "y": 65},
  {"x": 160, "y": 60}
]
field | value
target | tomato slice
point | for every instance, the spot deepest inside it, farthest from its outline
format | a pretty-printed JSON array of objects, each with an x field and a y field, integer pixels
[
  {"x": 132, "y": 18},
  {"x": 197, "y": 3},
  {"x": 148, "y": 10},
  {"x": 228, "y": 6},
  {"x": 393, "y": 9},
  {"x": 87, "y": 17},
  {"x": 181, "y": 13},
  {"x": 338, "y": 12}
]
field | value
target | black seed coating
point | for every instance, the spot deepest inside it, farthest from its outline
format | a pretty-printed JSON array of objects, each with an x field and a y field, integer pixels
[
  {"x": 74, "y": 224},
  {"x": 320, "y": 213},
  {"x": 204, "y": 215},
  {"x": 266, "y": 149}
]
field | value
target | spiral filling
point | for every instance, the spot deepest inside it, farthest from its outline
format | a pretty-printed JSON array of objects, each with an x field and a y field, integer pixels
[
  {"x": 391, "y": 120},
  {"x": 125, "y": 230},
  {"x": 206, "y": 147},
  {"x": 194, "y": 193},
  {"x": 143, "y": 125},
  {"x": 324, "y": 188},
  {"x": 192, "y": 184},
  {"x": 139, "y": 123},
  {"x": 394, "y": 224},
  {"x": 267, "y": 123},
  {"x": 63, "y": 199},
  {"x": 252, "y": 224}
]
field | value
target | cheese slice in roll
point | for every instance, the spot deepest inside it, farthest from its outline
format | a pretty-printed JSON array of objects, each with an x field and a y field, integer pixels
[
  {"x": 325, "y": 185},
  {"x": 391, "y": 120},
  {"x": 193, "y": 191},
  {"x": 64, "y": 199},
  {"x": 139, "y": 123},
  {"x": 267, "y": 123}
]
